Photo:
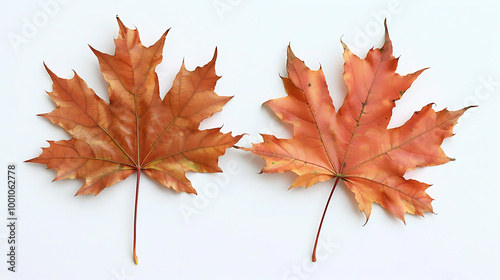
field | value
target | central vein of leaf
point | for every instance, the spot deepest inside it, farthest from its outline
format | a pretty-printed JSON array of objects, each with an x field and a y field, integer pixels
[
  {"x": 394, "y": 189},
  {"x": 173, "y": 120},
  {"x": 315, "y": 122},
  {"x": 99, "y": 125},
  {"x": 358, "y": 120},
  {"x": 136, "y": 117},
  {"x": 400, "y": 145}
]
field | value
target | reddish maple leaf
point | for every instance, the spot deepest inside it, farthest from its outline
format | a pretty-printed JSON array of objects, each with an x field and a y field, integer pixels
[
  {"x": 137, "y": 131},
  {"x": 354, "y": 144}
]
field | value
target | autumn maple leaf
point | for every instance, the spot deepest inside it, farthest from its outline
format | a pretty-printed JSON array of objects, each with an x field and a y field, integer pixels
[
  {"x": 137, "y": 131},
  {"x": 354, "y": 144}
]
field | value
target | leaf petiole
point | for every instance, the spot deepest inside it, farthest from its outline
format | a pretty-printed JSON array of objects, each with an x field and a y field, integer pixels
[
  {"x": 135, "y": 213},
  {"x": 322, "y": 218}
]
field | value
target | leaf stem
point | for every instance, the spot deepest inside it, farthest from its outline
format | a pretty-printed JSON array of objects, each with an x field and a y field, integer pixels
[
  {"x": 135, "y": 213},
  {"x": 322, "y": 218}
]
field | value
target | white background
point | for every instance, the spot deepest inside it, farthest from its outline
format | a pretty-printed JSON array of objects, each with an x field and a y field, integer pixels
[{"x": 245, "y": 225}]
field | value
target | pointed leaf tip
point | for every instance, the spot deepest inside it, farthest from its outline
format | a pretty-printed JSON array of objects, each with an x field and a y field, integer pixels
[{"x": 120, "y": 23}]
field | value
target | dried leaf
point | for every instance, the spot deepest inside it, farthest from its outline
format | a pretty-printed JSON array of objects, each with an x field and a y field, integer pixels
[
  {"x": 354, "y": 144},
  {"x": 137, "y": 131}
]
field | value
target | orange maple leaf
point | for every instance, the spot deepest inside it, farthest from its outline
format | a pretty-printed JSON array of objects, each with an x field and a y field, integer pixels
[
  {"x": 354, "y": 144},
  {"x": 137, "y": 131}
]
